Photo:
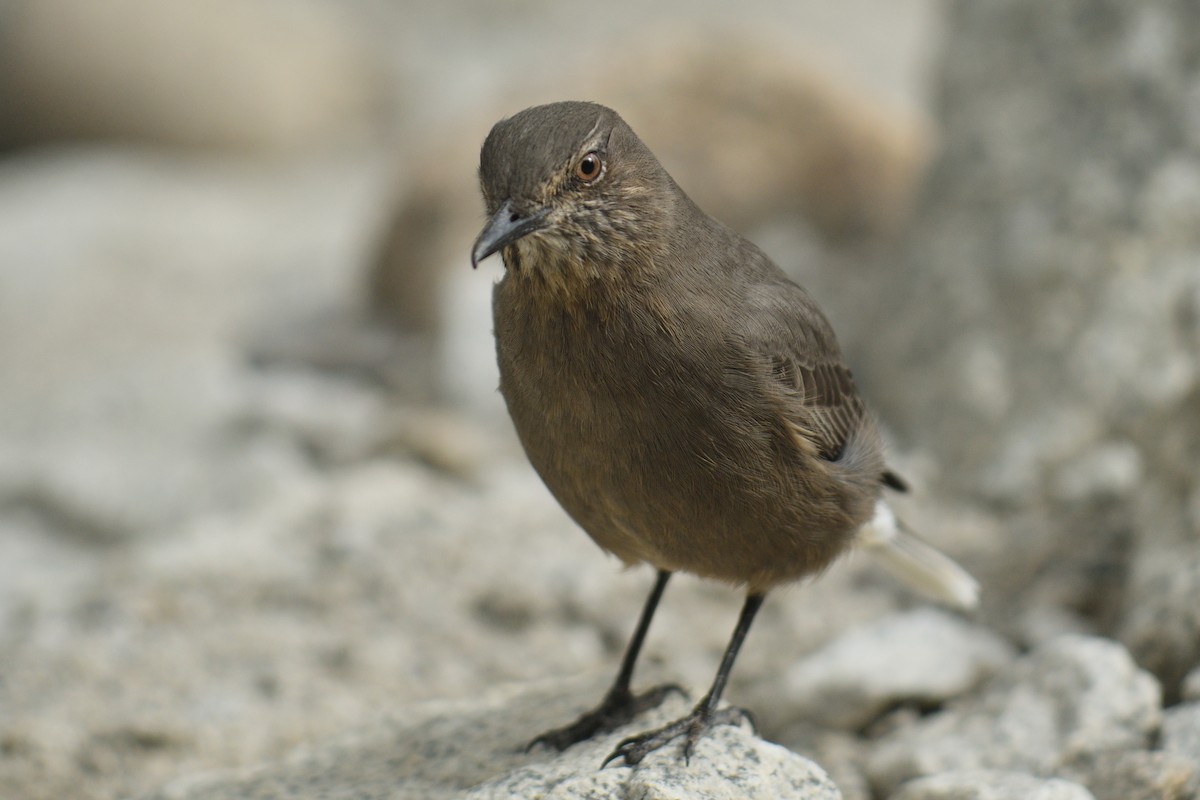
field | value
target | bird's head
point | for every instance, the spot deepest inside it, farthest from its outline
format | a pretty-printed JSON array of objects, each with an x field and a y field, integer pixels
[{"x": 567, "y": 187}]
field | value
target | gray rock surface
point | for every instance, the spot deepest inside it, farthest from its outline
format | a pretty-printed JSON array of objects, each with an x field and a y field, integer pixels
[
  {"x": 841, "y": 755},
  {"x": 987, "y": 784},
  {"x": 1058, "y": 242},
  {"x": 1181, "y": 732},
  {"x": 923, "y": 657},
  {"x": 1191, "y": 685},
  {"x": 1161, "y": 624},
  {"x": 1070, "y": 697},
  {"x": 371, "y": 585},
  {"x": 1048, "y": 299},
  {"x": 475, "y": 750},
  {"x": 1181, "y": 727},
  {"x": 130, "y": 279},
  {"x": 1136, "y": 775}
]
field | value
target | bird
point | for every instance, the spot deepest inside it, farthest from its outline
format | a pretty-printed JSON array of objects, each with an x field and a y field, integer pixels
[{"x": 684, "y": 401}]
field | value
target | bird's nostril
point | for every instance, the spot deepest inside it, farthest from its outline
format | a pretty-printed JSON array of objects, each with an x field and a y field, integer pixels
[{"x": 514, "y": 217}]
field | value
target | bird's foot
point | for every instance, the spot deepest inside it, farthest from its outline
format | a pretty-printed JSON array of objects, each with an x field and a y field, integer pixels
[
  {"x": 693, "y": 727},
  {"x": 617, "y": 708}
]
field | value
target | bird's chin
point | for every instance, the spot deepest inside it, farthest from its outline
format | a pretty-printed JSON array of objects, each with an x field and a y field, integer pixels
[
  {"x": 544, "y": 250},
  {"x": 551, "y": 261}
]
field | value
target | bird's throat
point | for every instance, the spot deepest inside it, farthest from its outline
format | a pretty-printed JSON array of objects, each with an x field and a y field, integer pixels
[{"x": 552, "y": 271}]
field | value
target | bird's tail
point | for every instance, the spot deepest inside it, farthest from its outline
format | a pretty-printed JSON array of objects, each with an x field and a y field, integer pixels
[{"x": 917, "y": 562}]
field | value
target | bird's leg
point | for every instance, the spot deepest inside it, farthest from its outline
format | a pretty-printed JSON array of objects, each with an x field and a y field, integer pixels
[
  {"x": 620, "y": 705},
  {"x": 705, "y": 715}
]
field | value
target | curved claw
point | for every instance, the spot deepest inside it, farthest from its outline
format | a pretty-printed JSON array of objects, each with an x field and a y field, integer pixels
[
  {"x": 694, "y": 726},
  {"x": 617, "y": 709}
]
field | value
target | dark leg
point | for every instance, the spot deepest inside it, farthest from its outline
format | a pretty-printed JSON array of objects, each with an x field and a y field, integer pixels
[
  {"x": 705, "y": 715},
  {"x": 620, "y": 704}
]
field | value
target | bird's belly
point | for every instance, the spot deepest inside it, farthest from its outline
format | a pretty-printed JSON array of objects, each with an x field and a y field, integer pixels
[{"x": 680, "y": 485}]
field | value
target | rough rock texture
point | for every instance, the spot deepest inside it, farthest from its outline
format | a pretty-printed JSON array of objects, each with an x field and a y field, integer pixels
[
  {"x": 921, "y": 657},
  {"x": 986, "y": 784},
  {"x": 255, "y": 74},
  {"x": 1049, "y": 300},
  {"x": 131, "y": 280},
  {"x": 1058, "y": 242},
  {"x": 1181, "y": 729},
  {"x": 476, "y": 750},
  {"x": 1136, "y": 775},
  {"x": 841, "y": 755},
  {"x": 1191, "y": 685},
  {"x": 1181, "y": 736},
  {"x": 344, "y": 592},
  {"x": 1071, "y": 697},
  {"x": 1161, "y": 624}
]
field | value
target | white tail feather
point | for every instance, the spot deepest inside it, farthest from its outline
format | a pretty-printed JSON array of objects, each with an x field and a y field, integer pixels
[{"x": 916, "y": 562}]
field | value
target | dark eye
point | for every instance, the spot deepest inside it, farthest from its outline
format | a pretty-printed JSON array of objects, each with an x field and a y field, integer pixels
[{"x": 589, "y": 167}]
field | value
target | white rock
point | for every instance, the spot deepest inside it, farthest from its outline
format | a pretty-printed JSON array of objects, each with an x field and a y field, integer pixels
[
  {"x": 1191, "y": 685},
  {"x": 475, "y": 750},
  {"x": 1162, "y": 612},
  {"x": 1181, "y": 731},
  {"x": 925, "y": 656},
  {"x": 1070, "y": 697},
  {"x": 987, "y": 784}
]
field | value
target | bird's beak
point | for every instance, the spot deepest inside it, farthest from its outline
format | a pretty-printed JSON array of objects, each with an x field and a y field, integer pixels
[{"x": 505, "y": 227}]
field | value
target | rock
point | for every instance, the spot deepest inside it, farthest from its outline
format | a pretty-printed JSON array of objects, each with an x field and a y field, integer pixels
[
  {"x": 1161, "y": 623},
  {"x": 348, "y": 589},
  {"x": 1136, "y": 775},
  {"x": 1058, "y": 243},
  {"x": 475, "y": 750},
  {"x": 263, "y": 74},
  {"x": 1181, "y": 732},
  {"x": 1069, "y": 697},
  {"x": 1181, "y": 728},
  {"x": 725, "y": 765},
  {"x": 1049, "y": 299},
  {"x": 129, "y": 421},
  {"x": 1191, "y": 685},
  {"x": 841, "y": 757},
  {"x": 840, "y": 754},
  {"x": 923, "y": 657},
  {"x": 987, "y": 784}
]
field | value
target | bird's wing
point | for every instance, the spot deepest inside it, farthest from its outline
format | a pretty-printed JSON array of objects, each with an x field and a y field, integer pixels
[
  {"x": 820, "y": 402},
  {"x": 824, "y": 406}
]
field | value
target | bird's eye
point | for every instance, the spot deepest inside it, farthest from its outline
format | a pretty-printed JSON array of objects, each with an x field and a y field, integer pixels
[{"x": 589, "y": 167}]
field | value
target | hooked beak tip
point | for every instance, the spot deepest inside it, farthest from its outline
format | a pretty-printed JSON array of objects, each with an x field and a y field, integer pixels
[
  {"x": 481, "y": 250},
  {"x": 506, "y": 226}
]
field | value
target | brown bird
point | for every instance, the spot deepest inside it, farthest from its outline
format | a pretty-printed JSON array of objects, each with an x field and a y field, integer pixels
[{"x": 684, "y": 401}]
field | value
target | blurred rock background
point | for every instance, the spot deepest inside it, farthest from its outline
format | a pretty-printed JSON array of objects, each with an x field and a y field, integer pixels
[{"x": 257, "y": 490}]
